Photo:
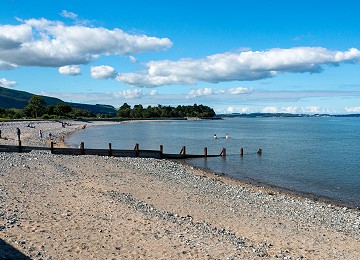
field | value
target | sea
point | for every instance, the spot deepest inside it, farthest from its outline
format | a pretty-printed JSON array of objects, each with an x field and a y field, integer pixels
[{"x": 317, "y": 157}]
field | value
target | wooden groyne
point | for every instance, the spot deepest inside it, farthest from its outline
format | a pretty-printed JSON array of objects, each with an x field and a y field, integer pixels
[{"x": 135, "y": 152}]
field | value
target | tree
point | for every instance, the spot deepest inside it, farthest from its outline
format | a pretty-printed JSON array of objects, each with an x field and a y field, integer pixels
[
  {"x": 125, "y": 106},
  {"x": 62, "y": 109},
  {"x": 137, "y": 112},
  {"x": 124, "y": 111},
  {"x": 36, "y": 107},
  {"x": 81, "y": 113}
]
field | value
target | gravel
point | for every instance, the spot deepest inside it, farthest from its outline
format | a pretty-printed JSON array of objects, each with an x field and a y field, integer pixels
[{"x": 301, "y": 210}]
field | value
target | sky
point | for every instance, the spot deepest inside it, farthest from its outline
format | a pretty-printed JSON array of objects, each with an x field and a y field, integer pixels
[{"x": 234, "y": 56}]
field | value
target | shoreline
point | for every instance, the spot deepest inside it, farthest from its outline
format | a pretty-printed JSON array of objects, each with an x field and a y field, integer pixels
[
  {"x": 106, "y": 207},
  {"x": 272, "y": 188},
  {"x": 76, "y": 125},
  {"x": 257, "y": 183}
]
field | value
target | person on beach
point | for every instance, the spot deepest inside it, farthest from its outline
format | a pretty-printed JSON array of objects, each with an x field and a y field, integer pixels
[
  {"x": 62, "y": 139},
  {"x": 40, "y": 134},
  {"x": 50, "y": 135},
  {"x": 227, "y": 136},
  {"x": 18, "y": 132}
]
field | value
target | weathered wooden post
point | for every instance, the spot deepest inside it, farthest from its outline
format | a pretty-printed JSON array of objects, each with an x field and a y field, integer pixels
[
  {"x": 82, "y": 148},
  {"x": 110, "y": 150},
  {"x": 19, "y": 146},
  {"x": 183, "y": 151},
  {"x": 161, "y": 151},
  {"x": 241, "y": 152},
  {"x": 205, "y": 151},
  {"x": 223, "y": 152},
  {"x": 136, "y": 149},
  {"x": 259, "y": 152},
  {"x": 52, "y": 147}
]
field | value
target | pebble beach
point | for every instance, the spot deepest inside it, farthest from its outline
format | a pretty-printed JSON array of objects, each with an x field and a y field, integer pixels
[{"x": 94, "y": 207}]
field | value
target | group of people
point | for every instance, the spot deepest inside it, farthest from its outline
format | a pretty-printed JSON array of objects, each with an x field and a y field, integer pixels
[
  {"x": 62, "y": 138},
  {"x": 226, "y": 136},
  {"x": 18, "y": 134}
]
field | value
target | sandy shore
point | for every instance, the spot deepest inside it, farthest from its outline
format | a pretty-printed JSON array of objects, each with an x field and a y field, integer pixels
[{"x": 89, "y": 207}]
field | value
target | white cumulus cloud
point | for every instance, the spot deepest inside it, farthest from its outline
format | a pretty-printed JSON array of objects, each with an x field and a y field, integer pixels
[
  {"x": 7, "y": 83},
  {"x": 41, "y": 42},
  {"x": 102, "y": 72},
  {"x": 352, "y": 109},
  {"x": 200, "y": 92},
  {"x": 239, "y": 91},
  {"x": 243, "y": 110},
  {"x": 132, "y": 59},
  {"x": 153, "y": 92},
  {"x": 270, "y": 110},
  {"x": 289, "y": 110},
  {"x": 296, "y": 110},
  {"x": 70, "y": 70},
  {"x": 7, "y": 66},
  {"x": 68, "y": 14},
  {"x": 129, "y": 94},
  {"x": 312, "y": 109},
  {"x": 238, "y": 66}
]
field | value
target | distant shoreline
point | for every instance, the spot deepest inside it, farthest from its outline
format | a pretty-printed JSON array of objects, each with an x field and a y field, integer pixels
[{"x": 265, "y": 115}]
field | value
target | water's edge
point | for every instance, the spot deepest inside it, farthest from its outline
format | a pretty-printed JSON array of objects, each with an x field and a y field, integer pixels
[{"x": 255, "y": 182}]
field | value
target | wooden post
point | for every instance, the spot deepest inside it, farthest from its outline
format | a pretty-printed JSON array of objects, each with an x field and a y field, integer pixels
[
  {"x": 161, "y": 151},
  {"x": 223, "y": 152},
  {"x": 183, "y": 151},
  {"x": 241, "y": 152},
  {"x": 259, "y": 152},
  {"x": 19, "y": 146},
  {"x": 0, "y": 134},
  {"x": 52, "y": 147},
  {"x": 205, "y": 151},
  {"x": 136, "y": 149},
  {"x": 82, "y": 148},
  {"x": 110, "y": 150}
]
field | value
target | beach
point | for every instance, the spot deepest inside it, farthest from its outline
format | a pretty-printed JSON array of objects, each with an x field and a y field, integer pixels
[{"x": 92, "y": 207}]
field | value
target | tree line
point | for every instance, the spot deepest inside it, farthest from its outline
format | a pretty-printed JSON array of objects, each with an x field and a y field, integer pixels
[
  {"x": 138, "y": 111},
  {"x": 37, "y": 108}
]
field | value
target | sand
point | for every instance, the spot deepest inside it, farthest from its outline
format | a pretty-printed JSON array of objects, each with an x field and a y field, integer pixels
[{"x": 90, "y": 207}]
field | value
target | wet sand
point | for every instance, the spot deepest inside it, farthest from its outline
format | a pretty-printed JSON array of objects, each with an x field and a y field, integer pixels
[{"x": 90, "y": 207}]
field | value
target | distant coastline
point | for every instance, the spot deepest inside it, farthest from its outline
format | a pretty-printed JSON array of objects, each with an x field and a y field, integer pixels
[{"x": 260, "y": 115}]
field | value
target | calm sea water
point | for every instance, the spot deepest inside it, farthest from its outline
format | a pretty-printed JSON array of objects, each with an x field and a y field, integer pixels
[{"x": 319, "y": 156}]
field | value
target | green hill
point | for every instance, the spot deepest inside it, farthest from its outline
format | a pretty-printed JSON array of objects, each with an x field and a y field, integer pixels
[{"x": 10, "y": 98}]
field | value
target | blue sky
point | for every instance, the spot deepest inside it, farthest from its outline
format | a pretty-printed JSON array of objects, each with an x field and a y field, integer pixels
[{"x": 234, "y": 56}]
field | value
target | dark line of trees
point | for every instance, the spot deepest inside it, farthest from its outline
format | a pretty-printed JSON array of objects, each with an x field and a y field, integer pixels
[
  {"x": 37, "y": 108},
  {"x": 138, "y": 111}
]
